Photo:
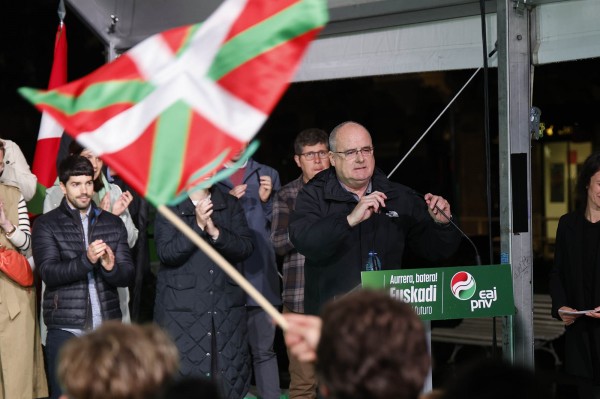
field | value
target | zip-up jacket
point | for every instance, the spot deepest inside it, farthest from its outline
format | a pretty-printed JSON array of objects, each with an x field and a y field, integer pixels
[
  {"x": 60, "y": 254},
  {"x": 336, "y": 253}
]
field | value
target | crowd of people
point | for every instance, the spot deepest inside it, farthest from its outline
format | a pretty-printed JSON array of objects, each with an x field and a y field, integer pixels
[{"x": 208, "y": 338}]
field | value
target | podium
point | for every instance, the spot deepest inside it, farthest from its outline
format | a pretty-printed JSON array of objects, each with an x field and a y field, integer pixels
[{"x": 449, "y": 292}]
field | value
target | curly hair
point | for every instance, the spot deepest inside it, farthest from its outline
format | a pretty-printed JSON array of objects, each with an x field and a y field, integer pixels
[
  {"x": 118, "y": 361},
  {"x": 372, "y": 347}
]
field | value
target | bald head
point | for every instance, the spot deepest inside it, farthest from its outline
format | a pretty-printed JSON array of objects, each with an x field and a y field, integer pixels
[{"x": 353, "y": 170}]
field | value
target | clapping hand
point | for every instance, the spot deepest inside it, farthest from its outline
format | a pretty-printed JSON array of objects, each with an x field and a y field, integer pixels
[{"x": 265, "y": 189}]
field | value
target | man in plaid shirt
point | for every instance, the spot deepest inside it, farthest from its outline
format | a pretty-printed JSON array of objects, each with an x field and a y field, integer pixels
[{"x": 311, "y": 156}]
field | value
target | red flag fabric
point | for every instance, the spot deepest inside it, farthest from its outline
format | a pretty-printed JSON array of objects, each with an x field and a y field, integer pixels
[{"x": 46, "y": 150}]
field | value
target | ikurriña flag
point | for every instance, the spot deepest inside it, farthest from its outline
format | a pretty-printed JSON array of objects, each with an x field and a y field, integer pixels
[{"x": 174, "y": 108}]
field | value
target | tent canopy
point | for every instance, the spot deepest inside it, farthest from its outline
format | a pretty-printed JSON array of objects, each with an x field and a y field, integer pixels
[{"x": 375, "y": 37}]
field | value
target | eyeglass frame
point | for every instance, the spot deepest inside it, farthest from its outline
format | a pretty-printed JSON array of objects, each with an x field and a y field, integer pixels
[
  {"x": 353, "y": 153},
  {"x": 310, "y": 156}
]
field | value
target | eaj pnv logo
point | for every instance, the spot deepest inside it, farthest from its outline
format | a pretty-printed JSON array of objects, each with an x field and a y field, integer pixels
[{"x": 463, "y": 286}]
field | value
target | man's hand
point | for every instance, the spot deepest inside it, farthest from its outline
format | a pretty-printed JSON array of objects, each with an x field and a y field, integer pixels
[
  {"x": 122, "y": 203},
  {"x": 303, "y": 335},
  {"x": 265, "y": 189},
  {"x": 435, "y": 200},
  {"x": 367, "y": 205},
  {"x": 107, "y": 260},
  {"x": 238, "y": 191},
  {"x": 95, "y": 250}
]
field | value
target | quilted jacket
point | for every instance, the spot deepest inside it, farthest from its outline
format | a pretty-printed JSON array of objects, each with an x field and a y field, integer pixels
[
  {"x": 201, "y": 308},
  {"x": 60, "y": 255}
]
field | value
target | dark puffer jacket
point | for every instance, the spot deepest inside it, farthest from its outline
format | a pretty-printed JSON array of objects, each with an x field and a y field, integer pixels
[
  {"x": 197, "y": 303},
  {"x": 60, "y": 255}
]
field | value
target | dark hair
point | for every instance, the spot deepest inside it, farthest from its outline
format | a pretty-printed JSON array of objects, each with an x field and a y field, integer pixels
[
  {"x": 312, "y": 136},
  {"x": 589, "y": 168},
  {"x": 372, "y": 347},
  {"x": 76, "y": 149},
  {"x": 74, "y": 165},
  {"x": 2, "y": 148}
]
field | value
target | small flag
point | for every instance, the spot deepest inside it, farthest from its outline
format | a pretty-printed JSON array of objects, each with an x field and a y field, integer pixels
[{"x": 177, "y": 106}]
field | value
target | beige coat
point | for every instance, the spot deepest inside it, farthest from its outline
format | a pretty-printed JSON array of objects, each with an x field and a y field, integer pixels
[{"x": 22, "y": 374}]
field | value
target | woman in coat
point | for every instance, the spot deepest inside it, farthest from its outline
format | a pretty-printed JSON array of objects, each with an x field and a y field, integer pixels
[
  {"x": 575, "y": 281},
  {"x": 196, "y": 303},
  {"x": 22, "y": 374}
]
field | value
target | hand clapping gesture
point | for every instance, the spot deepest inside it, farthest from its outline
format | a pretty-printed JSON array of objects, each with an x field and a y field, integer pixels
[
  {"x": 265, "y": 189},
  {"x": 100, "y": 251},
  {"x": 204, "y": 210}
]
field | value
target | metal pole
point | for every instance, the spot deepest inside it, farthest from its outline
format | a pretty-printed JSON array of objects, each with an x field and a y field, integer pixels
[{"x": 514, "y": 77}]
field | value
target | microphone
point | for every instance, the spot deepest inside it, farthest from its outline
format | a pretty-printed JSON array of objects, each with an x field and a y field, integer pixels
[{"x": 449, "y": 219}]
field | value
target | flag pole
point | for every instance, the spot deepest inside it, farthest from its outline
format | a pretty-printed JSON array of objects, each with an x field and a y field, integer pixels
[{"x": 224, "y": 265}]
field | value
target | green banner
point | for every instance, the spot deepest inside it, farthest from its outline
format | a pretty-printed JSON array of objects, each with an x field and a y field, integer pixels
[{"x": 449, "y": 292}]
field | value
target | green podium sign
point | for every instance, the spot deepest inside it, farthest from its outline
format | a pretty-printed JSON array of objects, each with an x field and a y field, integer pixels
[{"x": 449, "y": 292}]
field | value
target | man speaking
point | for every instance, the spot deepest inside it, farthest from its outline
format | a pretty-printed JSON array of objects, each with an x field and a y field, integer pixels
[{"x": 352, "y": 209}]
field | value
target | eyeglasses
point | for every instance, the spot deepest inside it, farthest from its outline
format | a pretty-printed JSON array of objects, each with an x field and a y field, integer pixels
[
  {"x": 351, "y": 154},
  {"x": 311, "y": 155}
]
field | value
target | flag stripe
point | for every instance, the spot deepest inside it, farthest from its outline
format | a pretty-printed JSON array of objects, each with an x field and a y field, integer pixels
[
  {"x": 85, "y": 120},
  {"x": 260, "y": 38},
  {"x": 263, "y": 93},
  {"x": 46, "y": 151},
  {"x": 179, "y": 39},
  {"x": 122, "y": 68},
  {"x": 208, "y": 143},
  {"x": 172, "y": 131},
  {"x": 256, "y": 12},
  {"x": 96, "y": 97},
  {"x": 132, "y": 163},
  {"x": 58, "y": 73}
]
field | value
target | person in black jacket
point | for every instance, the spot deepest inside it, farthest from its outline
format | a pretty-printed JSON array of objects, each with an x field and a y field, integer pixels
[
  {"x": 347, "y": 211},
  {"x": 575, "y": 278},
  {"x": 82, "y": 255},
  {"x": 201, "y": 308}
]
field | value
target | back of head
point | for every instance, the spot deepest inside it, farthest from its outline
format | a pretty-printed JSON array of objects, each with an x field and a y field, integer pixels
[
  {"x": 118, "y": 361},
  {"x": 74, "y": 165},
  {"x": 372, "y": 347}
]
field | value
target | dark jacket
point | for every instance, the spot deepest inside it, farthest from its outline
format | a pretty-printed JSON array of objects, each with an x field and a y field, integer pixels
[
  {"x": 336, "y": 253},
  {"x": 567, "y": 289},
  {"x": 60, "y": 255},
  {"x": 197, "y": 303},
  {"x": 261, "y": 267}
]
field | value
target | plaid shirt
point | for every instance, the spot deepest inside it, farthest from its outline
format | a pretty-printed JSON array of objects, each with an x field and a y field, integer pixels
[{"x": 293, "y": 262}]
